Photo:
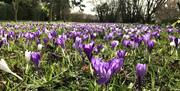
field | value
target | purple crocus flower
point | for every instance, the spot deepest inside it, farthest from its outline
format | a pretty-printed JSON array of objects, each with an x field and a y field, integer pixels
[
  {"x": 11, "y": 34},
  {"x": 170, "y": 29},
  {"x": 38, "y": 33},
  {"x": 109, "y": 37},
  {"x": 176, "y": 42},
  {"x": 88, "y": 48},
  {"x": 29, "y": 35},
  {"x": 50, "y": 36},
  {"x": 85, "y": 37},
  {"x": 150, "y": 45},
  {"x": 60, "y": 41},
  {"x": 78, "y": 44},
  {"x": 53, "y": 33},
  {"x": 140, "y": 73},
  {"x": 99, "y": 47},
  {"x": 146, "y": 37},
  {"x": 114, "y": 43},
  {"x": 126, "y": 43},
  {"x": 36, "y": 57},
  {"x": 93, "y": 35},
  {"x": 105, "y": 70},
  {"x": 5, "y": 41},
  {"x": 121, "y": 53},
  {"x": 134, "y": 44},
  {"x": 45, "y": 40},
  {"x": 155, "y": 34},
  {"x": 116, "y": 64}
]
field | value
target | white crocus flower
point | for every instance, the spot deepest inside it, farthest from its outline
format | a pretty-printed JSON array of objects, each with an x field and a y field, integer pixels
[
  {"x": 130, "y": 32},
  {"x": 138, "y": 32},
  {"x": 172, "y": 43},
  {"x": 126, "y": 36},
  {"x": 28, "y": 55},
  {"x": 4, "y": 67},
  {"x": 40, "y": 46}
]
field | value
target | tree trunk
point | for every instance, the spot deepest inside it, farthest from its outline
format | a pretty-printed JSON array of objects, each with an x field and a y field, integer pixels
[
  {"x": 51, "y": 11},
  {"x": 15, "y": 8},
  {"x": 15, "y": 16},
  {"x": 50, "y": 14},
  {"x": 148, "y": 18}
]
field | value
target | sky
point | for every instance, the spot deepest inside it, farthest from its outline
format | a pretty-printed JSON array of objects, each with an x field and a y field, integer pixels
[{"x": 87, "y": 10}]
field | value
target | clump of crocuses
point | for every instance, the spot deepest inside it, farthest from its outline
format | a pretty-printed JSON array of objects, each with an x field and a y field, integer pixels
[
  {"x": 34, "y": 56},
  {"x": 140, "y": 73},
  {"x": 105, "y": 70}
]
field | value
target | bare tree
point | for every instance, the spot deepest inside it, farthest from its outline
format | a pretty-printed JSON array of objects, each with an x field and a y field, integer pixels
[
  {"x": 151, "y": 8},
  {"x": 128, "y": 10}
]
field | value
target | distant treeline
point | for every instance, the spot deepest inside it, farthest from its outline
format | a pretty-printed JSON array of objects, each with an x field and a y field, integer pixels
[
  {"x": 124, "y": 11},
  {"x": 41, "y": 10}
]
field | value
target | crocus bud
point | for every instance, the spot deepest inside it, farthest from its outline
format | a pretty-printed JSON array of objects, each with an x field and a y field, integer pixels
[
  {"x": 78, "y": 44},
  {"x": 146, "y": 37},
  {"x": 45, "y": 40},
  {"x": 36, "y": 57},
  {"x": 176, "y": 42},
  {"x": 140, "y": 73},
  {"x": 172, "y": 43},
  {"x": 28, "y": 55},
  {"x": 88, "y": 48},
  {"x": 150, "y": 45},
  {"x": 40, "y": 46},
  {"x": 125, "y": 43}
]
